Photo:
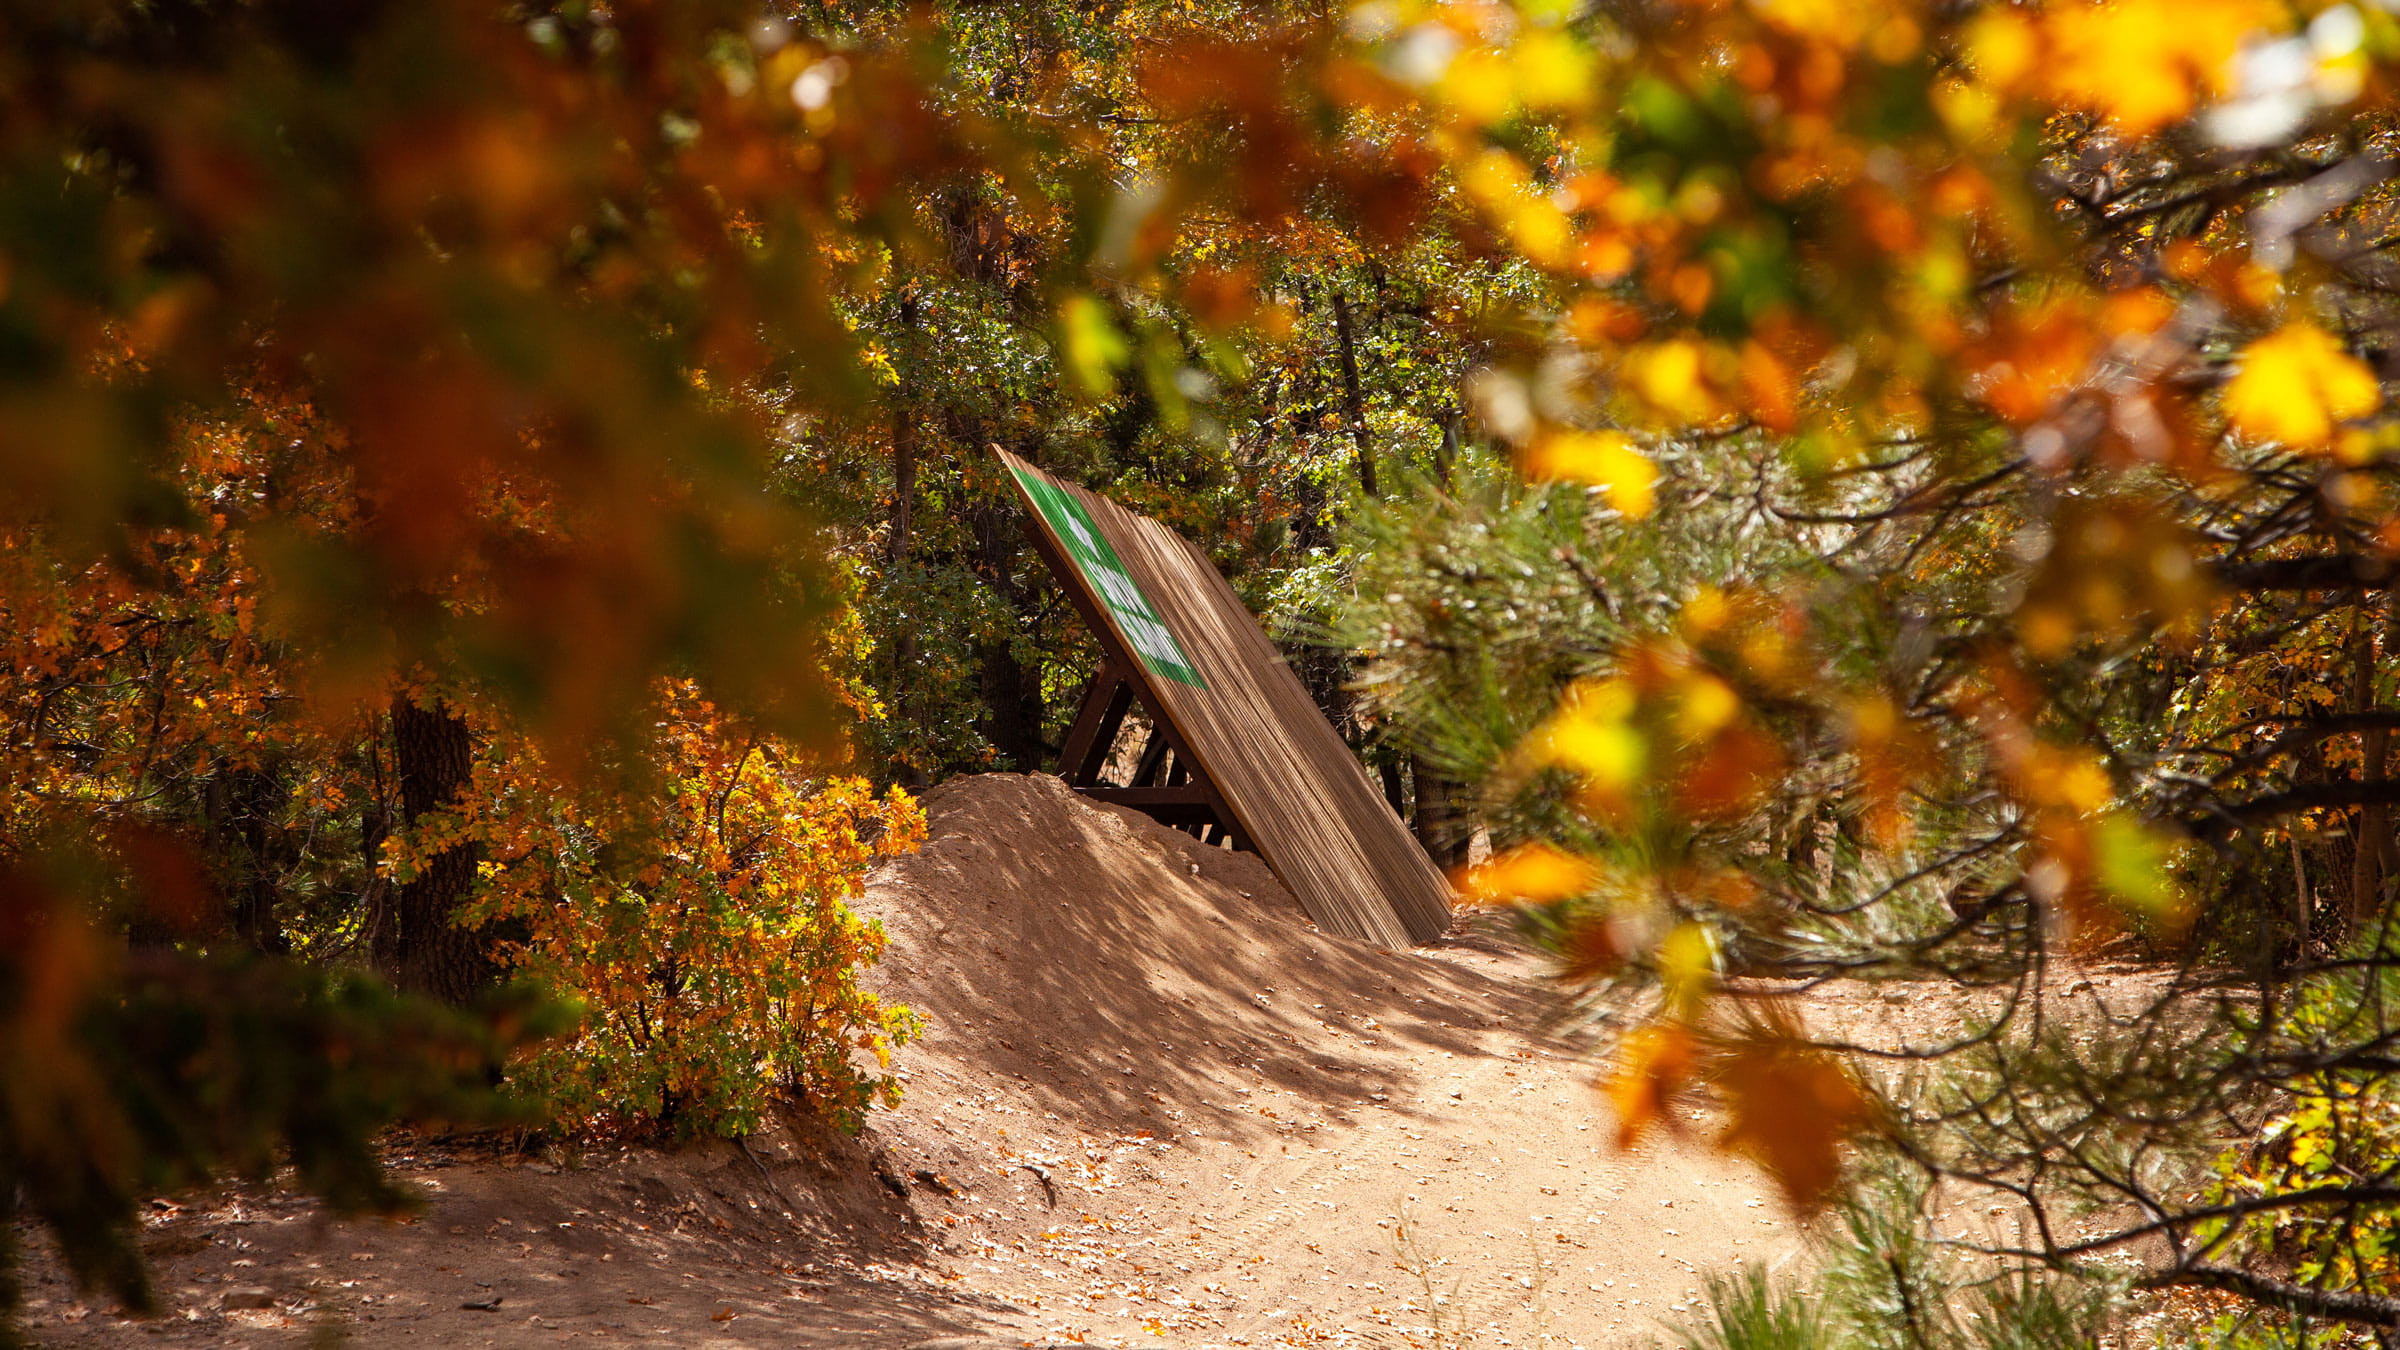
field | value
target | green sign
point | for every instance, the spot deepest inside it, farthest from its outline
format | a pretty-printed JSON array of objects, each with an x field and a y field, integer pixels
[{"x": 1104, "y": 573}]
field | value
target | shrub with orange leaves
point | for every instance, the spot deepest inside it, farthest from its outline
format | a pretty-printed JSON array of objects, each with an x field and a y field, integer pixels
[{"x": 697, "y": 908}]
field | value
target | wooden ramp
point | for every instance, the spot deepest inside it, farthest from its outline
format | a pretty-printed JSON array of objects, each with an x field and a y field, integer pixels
[{"x": 1241, "y": 749}]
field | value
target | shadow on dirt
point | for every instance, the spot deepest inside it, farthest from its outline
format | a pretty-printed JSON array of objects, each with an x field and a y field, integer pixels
[{"x": 1117, "y": 968}]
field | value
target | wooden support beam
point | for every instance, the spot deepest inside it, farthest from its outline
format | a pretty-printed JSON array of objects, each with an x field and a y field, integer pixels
[
  {"x": 1154, "y": 758},
  {"x": 1143, "y": 798},
  {"x": 1094, "y": 734},
  {"x": 1192, "y": 807},
  {"x": 1166, "y": 786}
]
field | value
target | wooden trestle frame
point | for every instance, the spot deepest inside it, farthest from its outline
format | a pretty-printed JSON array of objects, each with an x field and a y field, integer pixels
[
  {"x": 1168, "y": 785},
  {"x": 1238, "y": 753}
]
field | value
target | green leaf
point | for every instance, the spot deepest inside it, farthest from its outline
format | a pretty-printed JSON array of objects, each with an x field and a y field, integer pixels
[{"x": 2133, "y": 866}]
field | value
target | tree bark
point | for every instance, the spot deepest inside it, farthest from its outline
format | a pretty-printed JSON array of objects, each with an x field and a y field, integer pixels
[
  {"x": 904, "y": 484},
  {"x": 1012, "y": 707},
  {"x": 2319, "y": 572},
  {"x": 2372, "y": 821},
  {"x": 1440, "y": 826},
  {"x": 243, "y": 804},
  {"x": 904, "y": 457},
  {"x": 1011, "y": 689},
  {"x": 1354, "y": 406},
  {"x": 2304, "y": 905},
  {"x": 2363, "y": 1309},
  {"x": 904, "y": 503},
  {"x": 421, "y": 949}
]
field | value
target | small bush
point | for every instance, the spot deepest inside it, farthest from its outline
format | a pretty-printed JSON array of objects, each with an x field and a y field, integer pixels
[{"x": 698, "y": 911}]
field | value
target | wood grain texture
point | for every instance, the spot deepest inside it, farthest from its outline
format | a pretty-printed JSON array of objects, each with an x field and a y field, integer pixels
[{"x": 1271, "y": 757}]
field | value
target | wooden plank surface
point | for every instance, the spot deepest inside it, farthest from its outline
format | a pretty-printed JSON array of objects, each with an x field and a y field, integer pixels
[{"x": 1238, "y": 712}]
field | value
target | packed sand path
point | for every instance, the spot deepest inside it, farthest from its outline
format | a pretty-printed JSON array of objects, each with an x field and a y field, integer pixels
[
  {"x": 1154, "y": 1107},
  {"x": 1258, "y": 1133}
]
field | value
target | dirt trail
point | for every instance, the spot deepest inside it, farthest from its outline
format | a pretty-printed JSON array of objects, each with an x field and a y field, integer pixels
[
  {"x": 1259, "y": 1132},
  {"x": 1156, "y": 1108}
]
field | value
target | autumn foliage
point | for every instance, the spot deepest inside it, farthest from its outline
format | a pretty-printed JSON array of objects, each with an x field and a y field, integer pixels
[
  {"x": 697, "y": 914},
  {"x": 1900, "y": 492},
  {"x": 1955, "y": 530}
]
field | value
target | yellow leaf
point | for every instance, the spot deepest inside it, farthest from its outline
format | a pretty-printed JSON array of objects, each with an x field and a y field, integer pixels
[
  {"x": 2002, "y": 46},
  {"x": 1493, "y": 176},
  {"x": 1094, "y": 347},
  {"x": 1538, "y": 229},
  {"x": 1708, "y": 703},
  {"x": 1672, "y": 378},
  {"x": 2296, "y": 384},
  {"x": 1706, "y": 612},
  {"x": 1828, "y": 21},
  {"x": 1604, "y": 458},
  {"x": 1687, "y": 966},
  {"x": 1552, "y": 71},
  {"x": 1971, "y": 110},
  {"x": 2146, "y": 63},
  {"x": 1476, "y": 86},
  {"x": 1606, "y": 752}
]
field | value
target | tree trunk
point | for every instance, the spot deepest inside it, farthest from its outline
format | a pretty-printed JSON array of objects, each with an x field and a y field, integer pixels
[
  {"x": 421, "y": 949},
  {"x": 1353, "y": 405},
  {"x": 242, "y": 806},
  {"x": 1440, "y": 827},
  {"x": 1012, "y": 707},
  {"x": 1011, "y": 690},
  {"x": 904, "y": 502},
  {"x": 904, "y": 484},
  {"x": 904, "y": 456},
  {"x": 2303, "y": 904},
  {"x": 2371, "y": 823},
  {"x": 2307, "y": 767},
  {"x": 2372, "y": 845}
]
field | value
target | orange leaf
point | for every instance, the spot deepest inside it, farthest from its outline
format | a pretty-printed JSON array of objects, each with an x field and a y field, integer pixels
[
  {"x": 1730, "y": 774},
  {"x": 1588, "y": 949},
  {"x": 1653, "y": 1064},
  {"x": 1793, "y": 1105},
  {"x": 1535, "y": 874}
]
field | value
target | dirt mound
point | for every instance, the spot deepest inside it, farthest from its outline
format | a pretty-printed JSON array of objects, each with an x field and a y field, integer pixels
[
  {"x": 1174, "y": 1112},
  {"x": 1117, "y": 970}
]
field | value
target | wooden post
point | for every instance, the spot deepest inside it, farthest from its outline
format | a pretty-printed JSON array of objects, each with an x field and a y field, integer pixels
[{"x": 1095, "y": 731}]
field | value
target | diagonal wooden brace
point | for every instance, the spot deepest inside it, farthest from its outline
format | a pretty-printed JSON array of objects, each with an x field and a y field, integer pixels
[{"x": 1094, "y": 734}]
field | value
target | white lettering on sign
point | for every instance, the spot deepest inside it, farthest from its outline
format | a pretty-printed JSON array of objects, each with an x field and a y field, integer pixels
[
  {"x": 1152, "y": 639},
  {"x": 1090, "y": 555},
  {"x": 1119, "y": 588},
  {"x": 1148, "y": 635}
]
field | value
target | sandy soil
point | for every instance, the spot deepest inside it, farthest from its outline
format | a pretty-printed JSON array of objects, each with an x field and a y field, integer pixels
[{"x": 1156, "y": 1107}]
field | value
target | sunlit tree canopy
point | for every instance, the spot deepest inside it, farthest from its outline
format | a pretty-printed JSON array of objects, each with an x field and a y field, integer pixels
[{"x": 1899, "y": 493}]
